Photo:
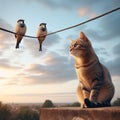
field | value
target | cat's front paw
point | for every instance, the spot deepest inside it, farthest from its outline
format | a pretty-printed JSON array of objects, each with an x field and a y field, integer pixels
[{"x": 90, "y": 104}]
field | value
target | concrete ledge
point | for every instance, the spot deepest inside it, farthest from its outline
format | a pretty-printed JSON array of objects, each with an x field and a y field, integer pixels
[{"x": 76, "y": 113}]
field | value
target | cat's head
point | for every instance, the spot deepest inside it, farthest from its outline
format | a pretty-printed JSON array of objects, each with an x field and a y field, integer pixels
[{"x": 80, "y": 47}]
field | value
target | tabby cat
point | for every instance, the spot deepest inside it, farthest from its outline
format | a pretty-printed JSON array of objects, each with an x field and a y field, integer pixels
[{"x": 95, "y": 87}]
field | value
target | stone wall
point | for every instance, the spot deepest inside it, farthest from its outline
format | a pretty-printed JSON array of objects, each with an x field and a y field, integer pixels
[{"x": 76, "y": 113}]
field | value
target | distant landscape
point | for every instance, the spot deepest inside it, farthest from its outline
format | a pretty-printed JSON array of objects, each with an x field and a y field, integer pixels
[{"x": 30, "y": 111}]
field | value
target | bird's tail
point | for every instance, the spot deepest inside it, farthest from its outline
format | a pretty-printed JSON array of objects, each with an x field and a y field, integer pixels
[
  {"x": 40, "y": 49},
  {"x": 17, "y": 45}
]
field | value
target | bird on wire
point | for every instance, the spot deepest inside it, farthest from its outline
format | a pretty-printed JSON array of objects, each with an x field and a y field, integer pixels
[
  {"x": 20, "y": 30},
  {"x": 41, "y": 34}
]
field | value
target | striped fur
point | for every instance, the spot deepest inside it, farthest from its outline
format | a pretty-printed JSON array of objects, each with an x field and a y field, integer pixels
[{"x": 95, "y": 84}]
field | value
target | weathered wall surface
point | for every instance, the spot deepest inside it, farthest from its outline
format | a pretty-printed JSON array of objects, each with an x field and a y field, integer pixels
[{"x": 107, "y": 113}]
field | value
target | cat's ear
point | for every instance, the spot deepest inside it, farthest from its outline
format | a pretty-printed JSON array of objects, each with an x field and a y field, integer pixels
[{"x": 83, "y": 36}]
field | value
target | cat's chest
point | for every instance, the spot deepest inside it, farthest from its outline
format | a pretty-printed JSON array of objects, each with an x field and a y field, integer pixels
[{"x": 86, "y": 75}]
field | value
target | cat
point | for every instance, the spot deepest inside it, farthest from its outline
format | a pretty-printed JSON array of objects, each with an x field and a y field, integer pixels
[{"x": 95, "y": 87}]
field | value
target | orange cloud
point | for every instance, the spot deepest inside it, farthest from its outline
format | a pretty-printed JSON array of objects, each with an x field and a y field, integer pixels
[{"x": 83, "y": 11}]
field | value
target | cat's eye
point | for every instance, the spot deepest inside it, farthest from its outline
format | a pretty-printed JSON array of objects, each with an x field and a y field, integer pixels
[{"x": 75, "y": 45}]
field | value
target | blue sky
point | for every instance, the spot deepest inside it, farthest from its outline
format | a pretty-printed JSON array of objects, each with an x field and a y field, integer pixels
[{"x": 27, "y": 75}]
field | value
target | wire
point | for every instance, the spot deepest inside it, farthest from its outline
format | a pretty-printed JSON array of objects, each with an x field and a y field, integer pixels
[
  {"x": 15, "y": 33},
  {"x": 89, "y": 20},
  {"x": 85, "y": 21}
]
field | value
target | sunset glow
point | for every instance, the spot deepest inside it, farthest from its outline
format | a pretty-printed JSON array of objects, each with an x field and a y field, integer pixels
[{"x": 30, "y": 76}]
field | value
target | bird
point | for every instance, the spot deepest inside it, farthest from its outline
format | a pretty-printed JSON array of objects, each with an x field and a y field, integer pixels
[
  {"x": 41, "y": 34},
  {"x": 20, "y": 30}
]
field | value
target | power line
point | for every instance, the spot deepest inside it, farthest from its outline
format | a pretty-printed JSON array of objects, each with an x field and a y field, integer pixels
[
  {"x": 89, "y": 20},
  {"x": 85, "y": 21}
]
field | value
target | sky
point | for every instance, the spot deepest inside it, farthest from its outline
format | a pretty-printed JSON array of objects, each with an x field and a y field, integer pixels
[{"x": 30, "y": 76}]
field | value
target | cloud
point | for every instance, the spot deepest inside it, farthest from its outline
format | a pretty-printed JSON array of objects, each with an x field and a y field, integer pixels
[
  {"x": 5, "y": 64},
  {"x": 101, "y": 51},
  {"x": 52, "y": 39},
  {"x": 86, "y": 11},
  {"x": 4, "y": 24},
  {"x": 52, "y": 4},
  {"x": 64, "y": 4},
  {"x": 53, "y": 69},
  {"x": 110, "y": 26},
  {"x": 57, "y": 69},
  {"x": 116, "y": 49},
  {"x": 1, "y": 53},
  {"x": 114, "y": 65},
  {"x": 83, "y": 11},
  {"x": 8, "y": 72},
  {"x": 6, "y": 39}
]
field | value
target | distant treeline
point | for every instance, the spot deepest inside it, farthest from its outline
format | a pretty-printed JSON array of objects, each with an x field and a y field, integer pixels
[
  {"x": 8, "y": 112},
  {"x": 21, "y": 113}
]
